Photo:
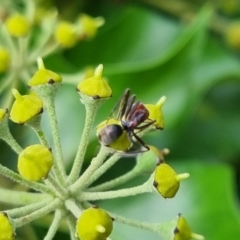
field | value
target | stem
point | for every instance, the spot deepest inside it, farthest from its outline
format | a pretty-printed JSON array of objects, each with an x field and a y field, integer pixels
[
  {"x": 21, "y": 211},
  {"x": 95, "y": 164},
  {"x": 115, "y": 182},
  {"x": 103, "y": 168},
  {"x": 134, "y": 223},
  {"x": 72, "y": 227},
  {"x": 20, "y": 197},
  {"x": 92, "y": 196},
  {"x": 60, "y": 191},
  {"x": 6, "y": 136},
  {"x": 37, "y": 214},
  {"x": 91, "y": 110},
  {"x": 73, "y": 207},
  {"x": 59, "y": 165},
  {"x": 18, "y": 178},
  {"x": 58, "y": 216}
]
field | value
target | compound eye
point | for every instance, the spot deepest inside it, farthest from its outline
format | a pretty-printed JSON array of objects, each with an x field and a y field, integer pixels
[{"x": 110, "y": 133}]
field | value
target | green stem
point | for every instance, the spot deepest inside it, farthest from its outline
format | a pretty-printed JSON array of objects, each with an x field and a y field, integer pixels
[
  {"x": 72, "y": 227},
  {"x": 58, "y": 216},
  {"x": 59, "y": 164},
  {"x": 6, "y": 136},
  {"x": 21, "y": 211},
  {"x": 18, "y": 178},
  {"x": 116, "y": 182},
  {"x": 135, "y": 223},
  {"x": 73, "y": 207},
  {"x": 35, "y": 124},
  {"x": 37, "y": 214},
  {"x": 20, "y": 197},
  {"x": 96, "y": 162},
  {"x": 93, "y": 196},
  {"x": 60, "y": 191},
  {"x": 91, "y": 110},
  {"x": 103, "y": 168}
]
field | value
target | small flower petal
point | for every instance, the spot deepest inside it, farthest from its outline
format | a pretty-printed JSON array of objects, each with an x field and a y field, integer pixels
[
  {"x": 18, "y": 25},
  {"x": 155, "y": 112},
  {"x": 6, "y": 229},
  {"x": 166, "y": 180},
  {"x": 94, "y": 224},
  {"x": 25, "y": 107},
  {"x": 96, "y": 86},
  {"x": 35, "y": 162},
  {"x": 183, "y": 231},
  {"x": 65, "y": 34}
]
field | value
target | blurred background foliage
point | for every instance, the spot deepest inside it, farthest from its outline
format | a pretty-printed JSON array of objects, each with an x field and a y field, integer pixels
[{"x": 180, "y": 49}]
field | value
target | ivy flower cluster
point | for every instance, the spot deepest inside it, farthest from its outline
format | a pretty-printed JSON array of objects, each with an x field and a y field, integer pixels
[
  {"x": 69, "y": 197},
  {"x": 28, "y": 32}
]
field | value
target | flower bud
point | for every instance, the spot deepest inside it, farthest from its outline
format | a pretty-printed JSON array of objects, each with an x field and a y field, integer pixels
[
  {"x": 18, "y": 25},
  {"x": 96, "y": 86},
  {"x": 111, "y": 134},
  {"x": 4, "y": 60},
  {"x": 183, "y": 232},
  {"x": 35, "y": 162},
  {"x": 155, "y": 112},
  {"x": 44, "y": 76},
  {"x": 233, "y": 35},
  {"x": 89, "y": 25},
  {"x": 166, "y": 180},
  {"x": 25, "y": 107},
  {"x": 94, "y": 224},
  {"x": 65, "y": 34},
  {"x": 6, "y": 229}
]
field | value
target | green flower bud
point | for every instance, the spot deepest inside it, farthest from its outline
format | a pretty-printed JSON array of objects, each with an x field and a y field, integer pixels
[
  {"x": 96, "y": 86},
  {"x": 25, "y": 107},
  {"x": 18, "y": 25},
  {"x": 4, "y": 60},
  {"x": 233, "y": 35},
  {"x": 65, "y": 34},
  {"x": 183, "y": 231},
  {"x": 44, "y": 76},
  {"x": 94, "y": 224},
  {"x": 155, "y": 112},
  {"x": 111, "y": 134},
  {"x": 6, "y": 229},
  {"x": 89, "y": 25},
  {"x": 166, "y": 180},
  {"x": 35, "y": 162}
]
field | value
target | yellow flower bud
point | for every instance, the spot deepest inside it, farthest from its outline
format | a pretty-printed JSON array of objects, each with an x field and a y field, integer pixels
[
  {"x": 111, "y": 134},
  {"x": 90, "y": 25},
  {"x": 6, "y": 229},
  {"x": 44, "y": 76},
  {"x": 3, "y": 113},
  {"x": 18, "y": 25},
  {"x": 35, "y": 162},
  {"x": 25, "y": 107},
  {"x": 94, "y": 224},
  {"x": 155, "y": 112},
  {"x": 183, "y": 231},
  {"x": 166, "y": 180},
  {"x": 4, "y": 60},
  {"x": 96, "y": 86},
  {"x": 65, "y": 34},
  {"x": 233, "y": 35}
]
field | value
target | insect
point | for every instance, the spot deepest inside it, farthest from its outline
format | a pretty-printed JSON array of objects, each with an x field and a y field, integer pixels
[{"x": 132, "y": 117}]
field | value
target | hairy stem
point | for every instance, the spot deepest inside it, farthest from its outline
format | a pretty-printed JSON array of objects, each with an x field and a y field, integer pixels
[{"x": 91, "y": 111}]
